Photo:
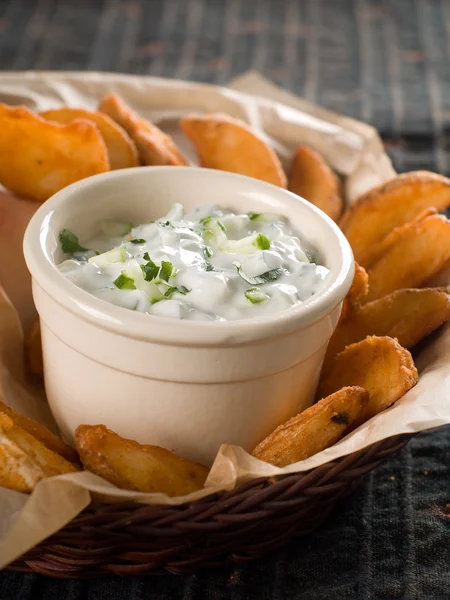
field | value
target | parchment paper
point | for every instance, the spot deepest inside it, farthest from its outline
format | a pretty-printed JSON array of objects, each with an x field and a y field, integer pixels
[{"x": 352, "y": 148}]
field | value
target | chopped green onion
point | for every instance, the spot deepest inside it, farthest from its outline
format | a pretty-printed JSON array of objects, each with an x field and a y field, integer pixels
[
  {"x": 180, "y": 289},
  {"x": 207, "y": 251},
  {"x": 262, "y": 242},
  {"x": 253, "y": 215},
  {"x": 205, "y": 220},
  {"x": 138, "y": 241},
  {"x": 166, "y": 270},
  {"x": 123, "y": 282},
  {"x": 255, "y": 295},
  {"x": 266, "y": 277},
  {"x": 69, "y": 242}
]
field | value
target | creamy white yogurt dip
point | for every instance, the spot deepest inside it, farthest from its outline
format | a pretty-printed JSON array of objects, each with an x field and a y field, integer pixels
[{"x": 207, "y": 265}]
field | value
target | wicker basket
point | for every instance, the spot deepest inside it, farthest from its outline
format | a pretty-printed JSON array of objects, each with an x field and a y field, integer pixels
[{"x": 237, "y": 526}]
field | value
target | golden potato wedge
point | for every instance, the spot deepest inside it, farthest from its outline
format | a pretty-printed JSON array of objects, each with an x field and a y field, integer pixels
[
  {"x": 356, "y": 294},
  {"x": 396, "y": 202},
  {"x": 50, "y": 462},
  {"x": 229, "y": 144},
  {"x": 377, "y": 251},
  {"x": 408, "y": 315},
  {"x": 311, "y": 178},
  {"x": 33, "y": 351},
  {"x": 41, "y": 433},
  {"x": 419, "y": 253},
  {"x": 39, "y": 158},
  {"x": 133, "y": 466},
  {"x": 155, "y": 146},
  {"x": 315, "y": 429},
  {"x": 379, "y": 365},
  {"x": 122, "y": 152},
  {"x": 18, "y": 471}
]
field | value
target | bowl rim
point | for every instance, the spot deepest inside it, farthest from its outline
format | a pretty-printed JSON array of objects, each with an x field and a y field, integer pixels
[{"x": 164, "y": 330}]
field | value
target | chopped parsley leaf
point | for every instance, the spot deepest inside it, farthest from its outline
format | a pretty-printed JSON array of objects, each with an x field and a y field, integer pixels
[
  {"x": 180, "y": 289},
  {"x": 69, "y": 242},
  {"x": 166, "y": 270},
  {"x": 207, "y": 251},
  {"x": 138, "y": 241},
  {"x": 205, "y": 220},
  {"x": 271, "y": 275}
]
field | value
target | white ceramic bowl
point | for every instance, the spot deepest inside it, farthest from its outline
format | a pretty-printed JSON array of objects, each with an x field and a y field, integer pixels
[{"x": 185, "y": 385}]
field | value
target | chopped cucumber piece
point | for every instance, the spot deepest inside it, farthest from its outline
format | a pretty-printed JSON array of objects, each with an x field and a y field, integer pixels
[
  {"x": 262, "y": 242},
  {"x": 123, "y": 282},
  {"x": 255, "y": 295},
  {"x": 115, "y": 228},
  {"x": 265, "y": 217},
  {"x": 115, "y": 255}
]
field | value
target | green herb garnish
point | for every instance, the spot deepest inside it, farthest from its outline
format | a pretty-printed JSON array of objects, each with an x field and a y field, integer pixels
[
  {"x": 123, "y": 282},
  {"x": 266, "y": 277},
  {"x": 180, "y": 289},
  {"x": 166, "y": 270},
  {"x": 262, "y": 242},
  {"x": 138, "y": 241},
  {"x": 209, "y": 267},
  {"x": 255, "y": 295},
  {"x": 69, "y": 242},
  {"x": 253, "y": 215},
  {"x": 149, "y": 270},
  {"x": 164, "y": 223},
  {"x": 207, "y": 251}
]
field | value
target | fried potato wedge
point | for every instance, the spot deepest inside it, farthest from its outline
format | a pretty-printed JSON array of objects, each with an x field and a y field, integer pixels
[
  {"x": 356, "y": 294},
  {"x": 377, "y": 251},
  {"x": 33, "y": 351},
  {"x": 419, "y": 253},
  {"x": 130, "y": 465},
  {"x": 376, "y": 213},
  {"x": 229, "y": 144},
  {"x": 21, "y": 450},
  {"x": 316, "y": 428},
  {"x": 18, "y": 471},
  {"x": 155, "y": 147},
  {"x": 311, "y": 178},
  {"x": 408, "y": 315},
  {"x": 41, "y": 433},
  {"x": 122, "y": 152},
  {"x": 379, "y": 365},
  {"x": 39, "y": 158}
]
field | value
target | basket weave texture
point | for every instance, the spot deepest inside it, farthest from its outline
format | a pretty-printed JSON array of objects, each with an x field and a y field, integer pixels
[{"x": 237, "y": 526}]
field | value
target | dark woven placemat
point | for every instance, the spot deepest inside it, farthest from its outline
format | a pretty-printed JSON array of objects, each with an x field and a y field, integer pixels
[{"x": 383, "y": 62}]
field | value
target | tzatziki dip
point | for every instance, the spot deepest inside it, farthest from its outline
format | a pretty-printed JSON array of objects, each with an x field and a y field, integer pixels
[{"x": 207, "y": 265}]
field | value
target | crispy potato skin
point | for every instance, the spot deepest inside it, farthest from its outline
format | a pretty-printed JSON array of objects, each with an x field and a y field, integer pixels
[
  {"x": 33, "y": 351},
  {"x": 356, "y": 294},
  {"x": 229, "y": 144},
  {"x": 121, "y": 149},
  {"x": 24, "y": 460},
  {"x": 130, "y": 465},
  {"x": 315, "y": 429},
  {"x": 46, "y": 156},
  {"x": 408, "y": 315},
  {"x": 154, "y": 146},
  {"x": 42, "y": 434},
  {"x": 311, "y": 178},
  {"x": 380, "y": 365},
  {"x": 418, "y": 254},
  {"x": 377, "y": 250},
  {"x": 376, "y": 213}
]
